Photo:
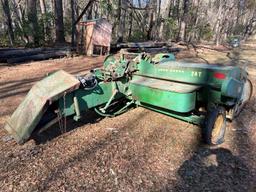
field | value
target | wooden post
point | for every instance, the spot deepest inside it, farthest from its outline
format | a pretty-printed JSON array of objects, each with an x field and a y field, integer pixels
[{"x": 101, "y": 47}]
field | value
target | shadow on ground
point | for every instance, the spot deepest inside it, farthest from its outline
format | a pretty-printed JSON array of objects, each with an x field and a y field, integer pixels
[
  {"x": 213, "y": 170},
  {"x": 55, "y": 130},
  {"x": 145, "y": 152}
]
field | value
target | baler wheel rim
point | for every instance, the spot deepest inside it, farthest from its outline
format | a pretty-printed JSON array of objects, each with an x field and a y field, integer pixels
[{"x": 215, "y": 126}]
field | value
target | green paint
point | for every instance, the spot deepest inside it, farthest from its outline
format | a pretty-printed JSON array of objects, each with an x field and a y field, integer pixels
[
  {"x": 190, "y": 118},
  {"x": 159, "y": 83},
  {"x": 165, "y": 98},
  {"x": 26, "y": 117}
]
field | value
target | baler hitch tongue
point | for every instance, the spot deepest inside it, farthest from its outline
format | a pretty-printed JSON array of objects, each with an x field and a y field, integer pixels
[{"x": 28, "y": 114}]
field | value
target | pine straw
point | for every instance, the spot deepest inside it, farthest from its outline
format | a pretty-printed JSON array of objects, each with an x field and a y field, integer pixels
[{"x": 138, "y": 151}]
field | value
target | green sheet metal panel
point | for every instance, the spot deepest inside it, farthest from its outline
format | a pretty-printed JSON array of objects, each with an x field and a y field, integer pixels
[
  {"x": 164, "y": 84},
  {"x": 232, "y": 88},
  {"x": 185, "y": 117},
  {"x": 88, "y": 99},
  {"x": 200, "y": 74},
  {"x": 100, "y": 95},
  {"x": 166, "y": 98},
  {"x": 42, "y": 94}
]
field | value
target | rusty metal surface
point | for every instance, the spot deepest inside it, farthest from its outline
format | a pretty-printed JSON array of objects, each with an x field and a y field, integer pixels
[
  {"x": 102, "y": 33},
  {"x": 96, "y": 33},
  {"x": 42, "y": 94}
]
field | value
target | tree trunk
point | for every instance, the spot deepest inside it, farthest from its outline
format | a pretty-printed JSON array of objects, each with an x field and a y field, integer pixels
[
  {"x": 73, "y": 16},
  {"x": 33, "y": 22},
  {"x": 194, "y": 22},
  {"x": 52, "y": 5},
  {"x": 176, "y": 12},
  {"x": 59, "y": 25},
  {"x": 139, "y": 3},
  {"x": 89, "y": 5},
  {"x": 250, "y": 27},
  {"x": 65, "y": 8},
  {"x": 43, "y": 12},
  {"x": 184, "y": 20},
  {"x": 18, "y": 21},
  {"x": 7, "y": 16},
  {"x": 89, "y": 14},
  {"x": 165, "y": 10},
  {"x": 151, "y": 19},
  {"x": 42, "y": 6},
  {"x": 217, "y": 26},
  {"x": 130, "y": 25},
  {"x": 122, "y": 17}
]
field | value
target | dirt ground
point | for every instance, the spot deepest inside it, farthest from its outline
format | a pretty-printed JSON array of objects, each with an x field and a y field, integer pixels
[{"x": 140, "y": 150}]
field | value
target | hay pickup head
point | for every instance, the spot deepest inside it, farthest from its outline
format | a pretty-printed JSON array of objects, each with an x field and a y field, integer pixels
[{"x": 197, "y": 93}]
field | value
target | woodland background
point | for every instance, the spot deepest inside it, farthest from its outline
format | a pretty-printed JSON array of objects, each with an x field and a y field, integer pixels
[{"x": 34, "y": 23}]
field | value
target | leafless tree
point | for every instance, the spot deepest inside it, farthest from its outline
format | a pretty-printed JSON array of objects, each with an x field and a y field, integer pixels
[
  {"x": 140, "y": 20},
  {"x": 59, "y": 24},
  {"x": 33, "y": 21},
  {"x": 8, "y": 20}
]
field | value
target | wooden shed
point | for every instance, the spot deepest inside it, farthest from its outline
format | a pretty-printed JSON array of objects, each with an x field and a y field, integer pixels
[{"x": 95, "y": 37}]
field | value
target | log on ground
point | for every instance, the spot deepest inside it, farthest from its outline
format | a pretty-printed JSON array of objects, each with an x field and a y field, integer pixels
[
  {"x": 38, "y": 57},
  {"x": 142, "y": 44},
  {"x": 19, "y": 53},
  {"x": 154, "y": 50}
]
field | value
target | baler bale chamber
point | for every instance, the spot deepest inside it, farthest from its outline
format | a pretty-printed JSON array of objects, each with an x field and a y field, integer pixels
[{"x": 201, "y": 94}]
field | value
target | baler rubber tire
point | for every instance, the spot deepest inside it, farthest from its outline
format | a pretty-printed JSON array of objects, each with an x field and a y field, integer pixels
[{"x": 214, "y": 116}]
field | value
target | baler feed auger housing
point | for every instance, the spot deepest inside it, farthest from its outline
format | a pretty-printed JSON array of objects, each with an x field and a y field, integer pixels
[{"x": 202, "y": 94}]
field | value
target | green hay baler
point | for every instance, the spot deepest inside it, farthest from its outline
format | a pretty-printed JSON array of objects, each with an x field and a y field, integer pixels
[{"x": 201, "y": 94}]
